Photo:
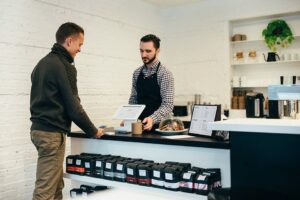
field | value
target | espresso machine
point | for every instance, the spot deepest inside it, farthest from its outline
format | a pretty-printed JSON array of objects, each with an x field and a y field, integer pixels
[{"x": 284, "y": 101}]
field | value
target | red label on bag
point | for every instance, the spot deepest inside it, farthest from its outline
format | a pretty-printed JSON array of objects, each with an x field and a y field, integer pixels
[
  {"x": 80, "y": 169},
  {"x": 71, "y": 169},
  {"x": 131, "y": 179},
  {"x": 144, "y": 181}
]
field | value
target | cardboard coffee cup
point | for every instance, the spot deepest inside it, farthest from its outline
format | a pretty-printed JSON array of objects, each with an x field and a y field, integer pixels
[{"x": 137, "y": 128}]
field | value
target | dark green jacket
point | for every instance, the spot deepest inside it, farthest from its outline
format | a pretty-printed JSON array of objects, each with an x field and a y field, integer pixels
[{"x": 54, "y": 100}]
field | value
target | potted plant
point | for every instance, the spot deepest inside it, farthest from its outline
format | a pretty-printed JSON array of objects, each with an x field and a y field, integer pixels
[{"x": 278, "y": 35}]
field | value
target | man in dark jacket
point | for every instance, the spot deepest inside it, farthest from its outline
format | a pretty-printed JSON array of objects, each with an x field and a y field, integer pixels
[{"x": 54, "y": 104}]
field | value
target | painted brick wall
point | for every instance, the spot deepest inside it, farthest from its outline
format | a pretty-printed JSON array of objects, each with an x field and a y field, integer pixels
[
  {"x": 105, "y": 66},
  {"x": 194, "y": 46},
  {"x": 197, "y": 43}
]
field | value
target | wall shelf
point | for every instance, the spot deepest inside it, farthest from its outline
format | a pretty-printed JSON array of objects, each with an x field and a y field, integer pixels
[
  {"x": 262, "y": 41},
  {"x": 250, "y": 86},
  {"x": 255, "y": 72},
  {"x": 268, "y": 63}
]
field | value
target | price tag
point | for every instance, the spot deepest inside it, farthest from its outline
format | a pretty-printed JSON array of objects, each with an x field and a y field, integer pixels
[
  {"x": 142, "y": 172},
  {"x": 119, "y": 167},
  {"x": 169, "y": 176},
  {"x": 108, "y": 165},
  {"x": 156, "y": 174},
  {"x": 87, "y": 165},
  {"x": 98, "y": 164},
  {"x": 201, "y": 177},
  {"x": 130, "y": 171},
  {"x": 187, "y": 175},
  {"x": 78, "y": 162}
]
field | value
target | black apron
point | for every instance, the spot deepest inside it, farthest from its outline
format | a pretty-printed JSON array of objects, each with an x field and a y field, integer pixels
[{"x": 148, "y": 93}]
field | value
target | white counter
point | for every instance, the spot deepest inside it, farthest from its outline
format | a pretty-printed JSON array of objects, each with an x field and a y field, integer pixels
[{"x": 258, "y": 125}]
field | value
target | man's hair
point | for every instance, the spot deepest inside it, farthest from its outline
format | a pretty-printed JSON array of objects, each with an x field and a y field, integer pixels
[
  {"x": 153, "y": 38},
  {"x": 66, "y": 30}
]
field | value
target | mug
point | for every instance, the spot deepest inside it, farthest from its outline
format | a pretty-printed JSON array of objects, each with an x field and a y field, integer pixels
[{"x": 137, "y": 128}]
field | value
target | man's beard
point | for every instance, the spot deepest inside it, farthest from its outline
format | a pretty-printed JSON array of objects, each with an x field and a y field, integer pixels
[{"x": 150, "y": 61}]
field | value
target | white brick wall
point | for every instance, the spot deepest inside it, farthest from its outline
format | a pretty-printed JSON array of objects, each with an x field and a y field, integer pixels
[
  {"x": 109, "y": 55},
  {"x": 197, "y": 43},
  {"x": 194, "y": 47}
]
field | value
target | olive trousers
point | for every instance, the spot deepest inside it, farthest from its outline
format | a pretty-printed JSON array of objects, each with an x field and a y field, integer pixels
[{"x": 49, "y": 173}]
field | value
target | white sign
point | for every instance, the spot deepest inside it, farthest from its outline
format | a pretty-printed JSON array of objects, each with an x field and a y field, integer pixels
[{"x": 202, "y": 114}]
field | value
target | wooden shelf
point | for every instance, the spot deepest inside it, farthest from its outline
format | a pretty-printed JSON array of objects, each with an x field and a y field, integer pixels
[{"x": 162, "y": 192}]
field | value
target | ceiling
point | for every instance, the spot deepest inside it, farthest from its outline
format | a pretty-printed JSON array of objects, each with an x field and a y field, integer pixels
[{"x": 169, "y": 3}]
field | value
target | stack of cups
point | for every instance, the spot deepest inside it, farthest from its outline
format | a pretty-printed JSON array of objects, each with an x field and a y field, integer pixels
[{"x": 197, "y": 99}]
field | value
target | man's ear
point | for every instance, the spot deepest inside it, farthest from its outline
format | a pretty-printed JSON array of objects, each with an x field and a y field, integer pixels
[
  {"x": 158, "y": 50},
  {"x": 68, "y": 41}
]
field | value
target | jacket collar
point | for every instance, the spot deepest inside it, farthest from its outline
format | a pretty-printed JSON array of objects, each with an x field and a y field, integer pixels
[{"x": 60, "y": 50}]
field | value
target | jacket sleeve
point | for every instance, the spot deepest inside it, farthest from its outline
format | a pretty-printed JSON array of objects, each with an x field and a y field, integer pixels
[{"x": 73, "y": 107}]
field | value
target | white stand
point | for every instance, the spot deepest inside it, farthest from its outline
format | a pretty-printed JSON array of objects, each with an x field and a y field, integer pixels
[{"x": 126, "y": 127}]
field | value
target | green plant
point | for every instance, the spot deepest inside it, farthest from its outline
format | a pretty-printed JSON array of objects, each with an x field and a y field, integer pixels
[{"x": 278, "y": 35}]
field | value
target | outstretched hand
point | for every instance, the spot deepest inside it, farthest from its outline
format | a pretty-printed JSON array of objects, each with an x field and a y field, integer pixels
[{"x": 99, "y": 133}]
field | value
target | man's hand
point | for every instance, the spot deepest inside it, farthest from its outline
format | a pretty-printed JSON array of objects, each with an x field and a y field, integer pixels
[
  {"x": 100, "y": 133},
  {"x": 148, "y": 121}
]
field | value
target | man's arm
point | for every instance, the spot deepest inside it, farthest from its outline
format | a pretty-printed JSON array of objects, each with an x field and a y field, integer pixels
[
  {"x": 133, "y": 95},
  {"x": 167, "y": 94},
  {"x": 73, "y": 107}
]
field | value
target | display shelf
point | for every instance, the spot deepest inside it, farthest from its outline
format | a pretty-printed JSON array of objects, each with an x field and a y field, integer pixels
[
  {"x": 250, "y": 86},
  {"x": 268, "y": 63},
  {"x": 162, "y": 192},
  {"x": 264, "y": 73},
  {"x": 264, "y": 17},
  {"x": 262, "y": 41},
  {"x": 246, "y": 41}
]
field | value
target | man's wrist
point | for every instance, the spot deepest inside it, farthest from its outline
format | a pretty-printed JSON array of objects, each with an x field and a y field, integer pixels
[{"x": 154, "y": 119}]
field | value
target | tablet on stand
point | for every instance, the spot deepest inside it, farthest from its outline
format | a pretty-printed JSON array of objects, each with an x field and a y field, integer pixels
[{"x": 129, "y": 114}]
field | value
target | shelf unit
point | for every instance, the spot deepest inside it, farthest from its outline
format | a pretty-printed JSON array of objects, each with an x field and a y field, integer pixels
[
  {"x": 154, "y": 147},
  {"x": 260, "y": 41},
  {"x": 268, "y": 63},
  {"x": 255, "y": 73},
  {"x": 162, "y": 192}
]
